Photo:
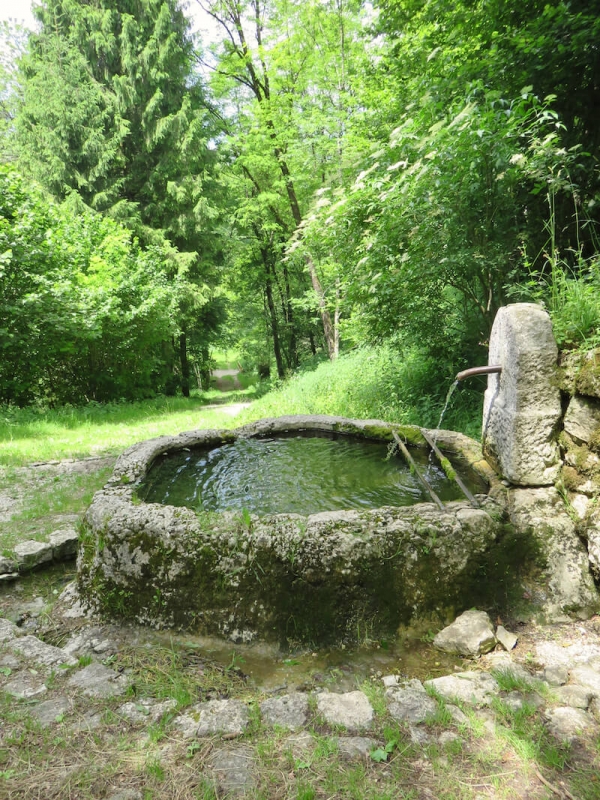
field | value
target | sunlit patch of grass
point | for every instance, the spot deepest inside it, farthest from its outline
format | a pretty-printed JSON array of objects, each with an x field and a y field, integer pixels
[{"x": 35, "y": 434}]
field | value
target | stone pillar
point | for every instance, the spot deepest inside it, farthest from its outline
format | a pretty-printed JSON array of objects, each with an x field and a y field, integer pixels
[{"x": 522, "y": 404}]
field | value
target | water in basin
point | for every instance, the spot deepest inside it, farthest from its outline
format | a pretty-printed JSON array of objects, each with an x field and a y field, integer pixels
[{"x": 291, "y": 474}]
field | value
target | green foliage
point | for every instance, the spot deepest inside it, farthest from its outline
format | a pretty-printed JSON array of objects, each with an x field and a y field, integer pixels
[{"x": 84, "y": 310}]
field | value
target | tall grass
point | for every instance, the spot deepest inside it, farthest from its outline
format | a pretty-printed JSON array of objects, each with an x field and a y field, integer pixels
[{"x": 374, "y": 383}]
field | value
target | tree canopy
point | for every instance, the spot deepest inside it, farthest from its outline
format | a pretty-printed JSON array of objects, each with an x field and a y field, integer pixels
[{"x": 323, "y": 174}]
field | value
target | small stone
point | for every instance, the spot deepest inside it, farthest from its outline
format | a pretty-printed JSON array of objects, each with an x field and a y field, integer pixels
[
  {"x": 476, "y": 688},
  {"x": 146, "y": 710},
  {"x": 289, "y": 711},
  {"x": 233, "y": 769},
  {"x": 97, "y": 680},
  {"x": 31, "y": 554},
  {"x": 8, "y": 630},
  {"x": 574, "y": 696},
  {"x": 41, "y": 653},
  {"x": 8, "y": 566},
  {"x": 352, "y": 709},
  {"x": 222, "y": 716},
  {"x": 9, "y": 576},
  {"x": 390, "y": 680},
  {"x": 356, "y": 747},
  {"x": 556, "y": 675},
  {"x": 64, "y": 544},
  {"x": 567, "y": 724},
  {"x": 507, "y": 640},
  {"x": 24, "y": 687},
  {"x": 471, "y": 634},
  {"x": 410, "y": 705},
  {"x": 50, "y": 712}
]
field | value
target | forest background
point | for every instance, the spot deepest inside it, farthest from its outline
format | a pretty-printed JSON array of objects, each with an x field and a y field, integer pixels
[{"x": 339, "y": 191}]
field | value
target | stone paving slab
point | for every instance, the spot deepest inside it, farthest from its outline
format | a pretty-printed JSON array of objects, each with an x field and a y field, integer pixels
[
  {"x": 352, "y": 709},
  {"x": 567, "y": 724},
  {"x": 41, "y": 653},
  {"x": 289, "y": 711},
  {"x": 25, "y": 686},
  {"x": 234, "y": 769},
  {"x": 356, "y": 747},
  {"x": 146, "y": 710},
  {"x": 410, "y": 704},
  {"x": 476, "y": 688},
  {"x": 229, "y": 717},
  {"x": 97, "y": 680},
  {"x": 50, "y": 712}
]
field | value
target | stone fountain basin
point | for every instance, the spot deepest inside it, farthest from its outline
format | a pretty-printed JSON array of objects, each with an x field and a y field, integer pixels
[{"x": 287, "y": 578}]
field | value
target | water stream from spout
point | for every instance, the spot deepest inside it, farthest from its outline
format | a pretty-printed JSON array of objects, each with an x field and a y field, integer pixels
[{"x": 439, "y": 425}]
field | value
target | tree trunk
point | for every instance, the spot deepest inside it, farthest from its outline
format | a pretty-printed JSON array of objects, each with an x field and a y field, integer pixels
[
  {"x": 185, "y": 365},
  {"x": 273, "y": 317},
  {"x": 328, "y": 329}
]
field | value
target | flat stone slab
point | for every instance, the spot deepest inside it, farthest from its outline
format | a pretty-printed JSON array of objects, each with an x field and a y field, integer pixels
[
  {"x": 574, "y": 696},
  {"x": 146, "y": 710},
  {"x": 8, "y": 630},
  {"x": 556, "y": 675},
  {"x": 356, "y": 747},
  {"x": 475, "y": 688},
  {"x": 410, "y": 704},
  {"x": 96, "y": 680},
  {"x": 588, "y": 677},
  {"x": 289, "y": 711},
  {"x": 31, "y": 554},
  {"x": 352, "y": 709},
  {"x": 567, "y": 724},
  {"x": 25, "y": 686},
  {"x": 233, "y": 769},
  {"x": 41, "y": 653},
  {"x": 471, "y": 634},
  {"x": 222, "y": 716},
  {"x": 51, "y": 712},
  {"x": 64, "y": 544}
]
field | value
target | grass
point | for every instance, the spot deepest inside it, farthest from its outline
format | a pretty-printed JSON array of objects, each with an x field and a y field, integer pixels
[{"x": 36, "y": 434}]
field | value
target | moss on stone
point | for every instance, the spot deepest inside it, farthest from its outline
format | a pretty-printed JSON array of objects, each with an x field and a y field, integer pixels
[
  {"x": 571, "y": 479},
  {"x": 588, "y": 376}
]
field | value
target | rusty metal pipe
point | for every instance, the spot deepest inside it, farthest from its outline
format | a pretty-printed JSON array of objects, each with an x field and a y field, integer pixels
[{"x": 468, "y": 373}]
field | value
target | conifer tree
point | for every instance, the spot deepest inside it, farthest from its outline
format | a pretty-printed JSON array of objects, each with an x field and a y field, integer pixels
[{"x": 113, "y": 111}]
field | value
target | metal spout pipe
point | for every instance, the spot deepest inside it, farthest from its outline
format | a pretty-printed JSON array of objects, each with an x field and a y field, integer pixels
[{"x": 468, "y": 373}]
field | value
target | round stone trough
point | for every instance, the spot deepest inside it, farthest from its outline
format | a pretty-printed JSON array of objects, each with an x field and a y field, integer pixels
[{"x": 285, "y": 578}]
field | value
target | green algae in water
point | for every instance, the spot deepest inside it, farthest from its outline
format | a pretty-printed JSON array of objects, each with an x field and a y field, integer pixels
[{"x": 290, "y": 474}]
